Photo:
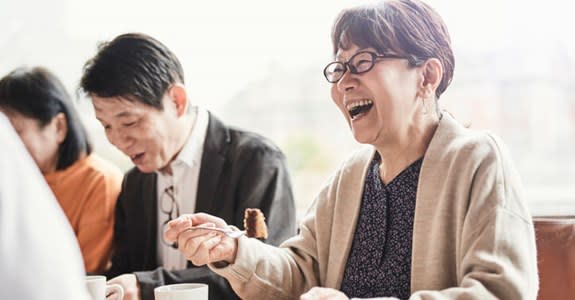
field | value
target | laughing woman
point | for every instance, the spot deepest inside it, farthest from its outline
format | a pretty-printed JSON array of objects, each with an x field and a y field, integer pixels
[
  {"x": 85, "y": 185},
  {"x": 427, "y": 210}
]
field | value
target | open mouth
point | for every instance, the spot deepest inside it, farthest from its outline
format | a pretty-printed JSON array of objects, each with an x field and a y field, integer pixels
[
  {"x": 359, "y": 108},
  {"x": 136, "y": 157}
]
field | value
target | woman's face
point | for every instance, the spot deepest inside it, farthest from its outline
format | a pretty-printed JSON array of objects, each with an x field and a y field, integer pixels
[
  {"x": 42, "y": 143},
  {"x": 386, "y": 96}
]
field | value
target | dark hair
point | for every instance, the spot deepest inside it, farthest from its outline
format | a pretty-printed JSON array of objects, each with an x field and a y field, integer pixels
[
  {"x": 134, "y": 66},
  {"x": 38, "y": 94},
  {"x": 409, "y": 28}
]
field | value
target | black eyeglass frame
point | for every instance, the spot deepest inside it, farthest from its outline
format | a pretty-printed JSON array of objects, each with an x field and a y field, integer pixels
[
  {"x": 352, "y": 69},
  {"x": 173, "y": 204}
]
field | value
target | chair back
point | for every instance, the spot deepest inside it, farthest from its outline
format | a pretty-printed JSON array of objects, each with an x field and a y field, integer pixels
[{"x": 555, "y": 238}]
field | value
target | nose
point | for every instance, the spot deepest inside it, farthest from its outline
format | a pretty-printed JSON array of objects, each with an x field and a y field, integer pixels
[
  {"x": 347, "y": 82},
  {"x": 119, "y": 139}
]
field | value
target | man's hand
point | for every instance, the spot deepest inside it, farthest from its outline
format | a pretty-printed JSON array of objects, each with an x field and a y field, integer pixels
[
  {"x": 130, "y": 285},
  {"x": 319, "y": 293},
  {"x": 201, "y": 246}
]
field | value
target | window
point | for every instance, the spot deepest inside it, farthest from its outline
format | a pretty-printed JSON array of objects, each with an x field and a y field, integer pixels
[{"x": 514, "y": 75}]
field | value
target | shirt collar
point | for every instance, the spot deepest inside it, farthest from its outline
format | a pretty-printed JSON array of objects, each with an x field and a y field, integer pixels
[{"x": 191, "y": 153}]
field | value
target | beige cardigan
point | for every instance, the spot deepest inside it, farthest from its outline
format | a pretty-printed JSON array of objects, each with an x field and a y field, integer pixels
[{"x": 472, "y": 235}]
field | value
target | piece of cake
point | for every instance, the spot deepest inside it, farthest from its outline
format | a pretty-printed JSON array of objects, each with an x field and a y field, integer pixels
[{"x": 254, "y": 224}]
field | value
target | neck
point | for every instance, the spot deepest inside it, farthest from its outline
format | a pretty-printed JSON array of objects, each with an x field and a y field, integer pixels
[
  {"x": 409, "y": 146},
  {"x": 186, "y": 123},
  {"x": 51, "y": 165}
]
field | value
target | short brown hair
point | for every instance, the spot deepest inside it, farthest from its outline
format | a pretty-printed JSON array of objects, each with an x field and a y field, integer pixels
[{"x": 409, "y": 28}]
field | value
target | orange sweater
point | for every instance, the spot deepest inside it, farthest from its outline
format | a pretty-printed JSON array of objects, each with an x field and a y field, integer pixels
[{"x": 87, "y": 192}]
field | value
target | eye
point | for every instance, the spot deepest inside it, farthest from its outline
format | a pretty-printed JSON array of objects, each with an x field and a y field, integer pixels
[
  {"x": 362, "y": 64},
  {"x": 338, "y": 69},
  {"x": 335, "y": 67},
  {"x": 130, "y": 124}
]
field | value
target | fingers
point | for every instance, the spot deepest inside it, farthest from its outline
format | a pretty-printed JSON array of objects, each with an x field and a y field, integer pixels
[
  {"x": 226, "y": 250},
  {"x": 201, "y": 246},
  {"x": 175, "y": 227},
  {"x": 129, "y": 284},
  {"x": 312, "y": 294},
  {"x": 320, "y": 293},
  {"x": 205, "y": 246},
  {"x": 197, "y": 249},
  {"x": 112, "y": 295},
  {"x": 115, "y": 280},
  {"x": 201, "y": 218}
]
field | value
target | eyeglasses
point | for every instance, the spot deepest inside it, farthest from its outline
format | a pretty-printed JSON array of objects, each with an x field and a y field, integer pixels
[
  {"x": 169, "y": 206},
  {"x": 359, "y": 63}
]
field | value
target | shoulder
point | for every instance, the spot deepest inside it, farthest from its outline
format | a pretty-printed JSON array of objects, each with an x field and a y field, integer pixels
[
  {"x": 251, "y": 141},
  {"x": 234, "y": 140},
  {"x": 100, "y": 165},
  {"x": 452, "y": 141},
  {"x": 99, "y": 169},
  {"x": 474, "y": 162},
  {"x": 99, "y": 175}
]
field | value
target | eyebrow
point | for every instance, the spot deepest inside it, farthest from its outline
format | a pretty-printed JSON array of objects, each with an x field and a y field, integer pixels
[
  {"x": 123, "y": 114},
  {"x": 339, "y": 58}
]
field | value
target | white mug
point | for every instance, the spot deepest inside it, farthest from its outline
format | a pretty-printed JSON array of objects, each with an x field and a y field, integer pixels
[
  {"x": 182, "y": 291},
  {"x": 97, "y": 287}
]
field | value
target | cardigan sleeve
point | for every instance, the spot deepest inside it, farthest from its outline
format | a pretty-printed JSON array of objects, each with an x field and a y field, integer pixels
[{"x": 265, "y": 272}]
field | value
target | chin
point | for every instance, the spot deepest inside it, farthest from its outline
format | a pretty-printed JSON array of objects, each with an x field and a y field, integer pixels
[
  {"x": 363, "y": 141},
  {"x": 361, "y": 138}
]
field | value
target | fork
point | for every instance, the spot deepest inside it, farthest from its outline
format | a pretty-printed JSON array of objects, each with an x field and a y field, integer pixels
[{"x": 227, "y": 231}]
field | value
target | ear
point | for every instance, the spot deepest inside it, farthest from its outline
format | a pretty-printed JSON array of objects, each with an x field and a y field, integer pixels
[
  {"x": 61, "y": 126},
  {"x": 432, "y": 72},
  {"x": 178, "y": 95}
]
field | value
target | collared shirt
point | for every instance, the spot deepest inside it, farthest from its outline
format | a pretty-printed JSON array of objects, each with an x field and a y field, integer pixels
[{"x": 184, "y": 180}]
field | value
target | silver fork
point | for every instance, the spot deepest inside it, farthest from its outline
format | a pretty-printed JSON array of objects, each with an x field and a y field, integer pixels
[{"x": 227, "y": 231}]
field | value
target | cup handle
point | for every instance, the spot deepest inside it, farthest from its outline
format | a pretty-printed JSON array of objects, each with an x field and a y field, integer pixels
[{"x": 117, "y": 289}]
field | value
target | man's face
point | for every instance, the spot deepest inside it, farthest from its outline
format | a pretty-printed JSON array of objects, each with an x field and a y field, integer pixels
[{"x": 148, "y": 136}]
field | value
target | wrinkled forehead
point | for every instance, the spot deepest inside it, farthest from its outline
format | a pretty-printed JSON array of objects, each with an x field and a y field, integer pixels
[
  {"x": 107, "y": 108},
  {"x": 351, "y": 37},
  {"x": 15, "y": 116},
  {"x": 348, "y": 46},
  {"x": 23, "y": 123}
]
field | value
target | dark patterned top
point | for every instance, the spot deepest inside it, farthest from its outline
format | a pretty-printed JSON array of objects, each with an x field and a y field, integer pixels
[{"x": 379, "y": 263}]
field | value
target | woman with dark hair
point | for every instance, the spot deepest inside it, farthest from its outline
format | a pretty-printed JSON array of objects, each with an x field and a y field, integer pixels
[
  {"x": 427, "y": 210},
  {"x": 85, "y": 185}
]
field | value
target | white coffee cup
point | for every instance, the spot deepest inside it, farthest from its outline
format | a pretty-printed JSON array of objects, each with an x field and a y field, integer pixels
[
  {"x": 97, "y": 287},
  {"x": 182, "y": 291}
]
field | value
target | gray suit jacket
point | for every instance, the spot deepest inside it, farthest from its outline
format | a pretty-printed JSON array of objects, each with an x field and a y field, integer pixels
[{"x": 239, "y": 170}]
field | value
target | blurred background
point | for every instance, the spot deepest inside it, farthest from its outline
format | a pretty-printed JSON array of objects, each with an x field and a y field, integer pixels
[{"x": 258, "y": 64}]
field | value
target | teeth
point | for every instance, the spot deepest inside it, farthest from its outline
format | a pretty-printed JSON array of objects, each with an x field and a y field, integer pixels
[{"x": 355, "y": 104}]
